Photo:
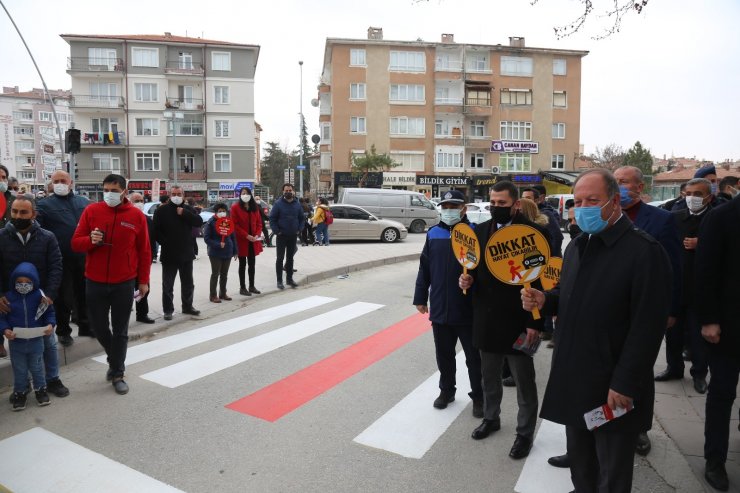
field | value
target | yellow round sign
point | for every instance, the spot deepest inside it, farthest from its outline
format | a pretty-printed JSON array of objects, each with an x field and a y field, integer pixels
[
  {"x": 465, "y": 246},
  {"x": 551, "y": 275},
  {"x": 517, "y": 254}
]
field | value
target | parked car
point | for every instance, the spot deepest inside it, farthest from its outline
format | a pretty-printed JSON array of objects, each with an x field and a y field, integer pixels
[
  {"x": 412, "y": 209},
  {"x": 355, "y": 223},
  {"x": 478, "y": 212},
  {"x": 561, "y": 203}
]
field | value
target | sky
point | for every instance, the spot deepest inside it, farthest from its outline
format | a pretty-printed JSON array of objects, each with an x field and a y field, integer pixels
[{"x": 669, "y": 78}]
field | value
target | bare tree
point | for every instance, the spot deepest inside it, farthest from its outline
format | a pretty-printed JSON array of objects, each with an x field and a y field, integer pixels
[{"x": 610, "y": 157}]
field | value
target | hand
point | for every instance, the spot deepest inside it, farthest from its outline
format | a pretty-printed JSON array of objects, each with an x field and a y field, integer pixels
[
  {"x": 532, "y": 336},
  {"x": 9, "y": 334},
  {"x": 96, "y": 237},
  {"x": 143, "y": 289},
  {"x": 711, "y": 332},
  {"x": 690, "y": 243},
  {"x": 615, "y": 399},
  {"x": 422, "y": 309},
  {"x": 251, "y": 238},
  {"x": 49, "y": 329},
  {"x": 466, "y": 280},
  {"x": 671, "y": 322},
  {"x": 223, "y": 244},
  {"x": 4, "y": 305},
  {"x": 532, "y": 298},
  {"x": 179, "y": 211}
]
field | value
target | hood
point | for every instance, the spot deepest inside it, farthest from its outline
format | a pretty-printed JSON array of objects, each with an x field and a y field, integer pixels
[{"x": 25, "y": 269}]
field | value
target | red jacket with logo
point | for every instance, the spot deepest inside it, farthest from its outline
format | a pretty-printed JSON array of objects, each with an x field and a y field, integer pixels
[{"x": 125, "y": 253}]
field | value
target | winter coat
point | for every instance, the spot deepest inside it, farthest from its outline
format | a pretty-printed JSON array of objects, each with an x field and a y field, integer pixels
[
  {"x": 319, "y": 216},
  {"x": 553, "y": 227},
  {"x": 286, "y": 218},
  {"x": 247, "y": 223},
  {"x": 23, "y": 307},
  {"x": 60, "y": 215},
  {"x": 612, "y": 304},
  {"x": 41, "y": 249},
  {"x": 175, "y": 232},
  {"x": 125, "y": 253},
  {"x": 213, "y": 241},
  {"x": 5, "y": 219},
  {"x": 688, "y": 227}
]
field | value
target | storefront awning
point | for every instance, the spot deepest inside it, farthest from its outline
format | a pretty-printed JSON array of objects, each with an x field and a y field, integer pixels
[{"x": 561, "y": 177}]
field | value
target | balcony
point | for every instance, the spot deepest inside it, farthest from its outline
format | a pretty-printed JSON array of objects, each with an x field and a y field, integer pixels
[
  {"x": 183, "y": 67},
  {"x": 89, "y": 101},
  {"x": 97, "y": 175},
  {"x": 25, "y": 151},
  {"x": 87, "y": 64},
  {"x": 448, "y": 101},
  {"x": 448, "y": 66},
  {"x": 25, "y": 135},
  {"x": 197, "y": 175},
  {"x": 477, "y": 142},
  {"x": 184, "y": 104},
  {"x": 103, "y": 138}
]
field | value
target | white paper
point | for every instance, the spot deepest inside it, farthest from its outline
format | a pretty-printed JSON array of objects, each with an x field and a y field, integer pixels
[{"x": 28, "y": 332}]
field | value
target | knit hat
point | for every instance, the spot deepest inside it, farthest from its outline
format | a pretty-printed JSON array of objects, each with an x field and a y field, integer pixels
[{"x": 706, "y": 170}]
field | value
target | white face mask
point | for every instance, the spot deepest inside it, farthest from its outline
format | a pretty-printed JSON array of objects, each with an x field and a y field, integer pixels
[
  {"x": 139, "y": 205},
  {"x": 113, "y": 199},
  {"x": 3, "y": 186},
  {"x": 61, "y": 189},
  {"x": 245, "y": 198},
  {"x": 221, "y": 214},
  {"x": 695, "y": 204},
  {"x": 176, "y": 200}
]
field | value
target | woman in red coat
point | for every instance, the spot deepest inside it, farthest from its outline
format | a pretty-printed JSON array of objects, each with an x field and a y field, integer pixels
[{"x": 248, "y": 225}]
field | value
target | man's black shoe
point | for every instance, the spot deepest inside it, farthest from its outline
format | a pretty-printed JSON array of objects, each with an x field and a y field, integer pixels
[
  {"x": 668, "y": 374},
  {"x": 168, "y": 316},
  {"x": 546, "y": 336},
  {"x": 66, "y": 340},
  {"x": 57, "y": 388},
  {"x": 254, "y": 290},
  {"x": 109, "y": 374},
  {"x": 120, "y": 386},
  {"x": 191, "y": 311},
  {"x": 716, "y": 475},
  {"x": 291, "y": 283},
  {"x": 85, "y": 333},
  {"x": 478, "y": 408},
  {"x": 559, "y": 461},
  {"x": 286, "y": 270},
  {"x": 520, "y": 449},
  {"x": 700, "y": 385},
  {"x": 443, "y": 399},
  {"x": 145, "y": 319},
  {"x": 643, "y": 444},
  {"x": 280, "y": 285},
  {"x": 509, "y": 382},
  {"x": 244, "y": 292},
  {"x": 487, "y": 427}
]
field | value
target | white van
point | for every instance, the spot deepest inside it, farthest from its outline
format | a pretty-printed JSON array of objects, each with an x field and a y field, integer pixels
[
  {"x": 412, "y": 209},
  {"x": 561, "y": 202}
]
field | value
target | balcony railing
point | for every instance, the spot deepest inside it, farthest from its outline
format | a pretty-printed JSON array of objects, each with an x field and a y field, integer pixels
[
  {"x": 448, "y": 66},
  {"x": 198, "y": 175},
  {"x": 478, "y": 101},
  {"x": 477, "y": 69},
  {"x": 183, "y": 67},
  {"x": 184, "y": 104},
  {"x": 99, "y": 174},
  {"x": 26, "y": 151},
  {"x": 449, "y": 101},
  {"x": 89, "y": 101},
  {"x": 103, "y": 138},
  {"x": 87, "y": 64}
]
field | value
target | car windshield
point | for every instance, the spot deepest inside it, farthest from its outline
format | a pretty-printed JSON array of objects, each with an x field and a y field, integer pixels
[{"x": 426, "y": 203}]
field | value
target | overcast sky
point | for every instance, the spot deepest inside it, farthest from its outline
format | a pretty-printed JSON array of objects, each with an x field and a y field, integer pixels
[{"x": 669, "y": 79}]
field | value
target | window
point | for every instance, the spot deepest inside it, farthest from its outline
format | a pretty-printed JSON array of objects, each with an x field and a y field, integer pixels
[
  {"x": 23, "y": 131},
  {"x": 449, "y": 159},
  {"x": 559, "y": 99},
  {"x": 147, "y": 161},
  {"x": 23, "y": 115},
  {"x": 409, "y": 161},
  {"x": 145, "y": 57},
  {"x": 403, "y": 125},
  {"x": 357, "y": 58},
  {"x": 407, "y": 61},
  {"x": 357, "y": 91},
  {"x": 516, "y": 96},
  {"x": 558, "y": 130},
  {"x": 516, "y": 130},
  {"x": 45, "y": 116},
  {"x": 222, "y": 128},
  {"x": 407, "y": 92},
  {"x": 146, "y": 92},
  {"x": 221, "y": 94},
  {"x": 49, "y": 131},
  {"x": 185, "y": 94},
  {"x": 24, "y": 145},
  {"x": 441, "y": 127},
  {"x": 221, "y": 60},
  {"x": 62, "y": 117},
  {"x": 357, "y": 125},
  {"x": 516, "y": 65},
  {"x": 101, "y": 57},
  {"x": 558, "y": 66},
  {"x": 190, "y": 125},
  {"x": 147, "y": 126},
  {"x": 103, "y": 91},
  {"x": 478, "y": 160},
  {"x": 26, "y": 175},
  {"x": 478, "y": 97},
  {"x": 185, "y": 59},
  {"x": 187, "y": 162},
  {"x": 477, "y": 128},
  {"x": 106, "y": 162},
  {"x": 325, "y": 133},
  {"x": 515, "y": 162},
  {"x": 558, "y": 161},
  {"x": 104, "y": 124},
  {"x": 222, "y": 162},
  {"x": 477, "y": 62}
]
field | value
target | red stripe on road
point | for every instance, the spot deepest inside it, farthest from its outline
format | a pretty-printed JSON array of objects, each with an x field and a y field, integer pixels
[{"x": 280, "y": 398}]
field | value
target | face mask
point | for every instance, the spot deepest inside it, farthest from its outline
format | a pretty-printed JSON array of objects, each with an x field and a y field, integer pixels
[
  {"x": 625, "y": 198},
  {"x": 61, "y": 189},
  {"x": 714, "y": 189},
  {"x": 574, "y": 230},
  {"x": 221, "y": 214},
  {"x": 245, "y": 198},
  {"x": 450, "y": 216},
  {"x": 734, "y": 192},
  {"x": 3, "y": 186},
  {"x": 112, "y": 198},
  {"x": 24, "y": 287},
  {"x": 695, "y": 204},
  {"x": 21, "y": 224},
  {"x": 288, "y": 195},
  {"x": 139, "y": 205},
  {"x": 589, "y": 219},
  {"x": 501, "y": 215},
  {"x": 176, "y": 200}
]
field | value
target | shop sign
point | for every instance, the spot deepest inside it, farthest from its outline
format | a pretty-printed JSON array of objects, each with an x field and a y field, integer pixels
[
  {"x": 442, "y": 180},
  {"x": 515, "y": 146},
  {"x": 192, "y": 187},
  {"x": 399, "y": 179},
  {"x": 526, "y": 178},
  {"x": 484, "y": 181},
  {"x": 348, "y": 179}
]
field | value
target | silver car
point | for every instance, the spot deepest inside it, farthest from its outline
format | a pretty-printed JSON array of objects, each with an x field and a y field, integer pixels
[{"x": 355, "y": 223}]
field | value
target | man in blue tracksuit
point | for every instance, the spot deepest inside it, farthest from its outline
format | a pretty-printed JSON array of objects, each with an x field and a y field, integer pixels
[{"x": 450, "y": 311}]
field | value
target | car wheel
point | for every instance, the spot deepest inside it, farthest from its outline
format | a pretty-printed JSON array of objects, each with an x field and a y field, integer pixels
[
  {"x": 417, "y": 226},
  {"x": 389, "y": 235}
]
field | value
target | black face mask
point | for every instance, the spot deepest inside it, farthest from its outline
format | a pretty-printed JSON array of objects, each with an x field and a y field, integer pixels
[
  {"x": 288, "y": 195},
  {"x": 21, "y": 224},
  {"x": 501, "y": 215},
  {"x": 574, "y": 230}
]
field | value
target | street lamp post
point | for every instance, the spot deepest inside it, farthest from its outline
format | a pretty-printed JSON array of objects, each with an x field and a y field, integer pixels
[
  {"x": 300, "y": 136},
  {"x": 174, "y": 116}
]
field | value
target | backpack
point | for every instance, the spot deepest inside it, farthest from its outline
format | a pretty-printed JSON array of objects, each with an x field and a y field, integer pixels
[{"x": 328, "y": 217}]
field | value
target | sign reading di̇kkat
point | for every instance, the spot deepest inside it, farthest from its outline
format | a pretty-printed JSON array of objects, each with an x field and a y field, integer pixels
[{"x": 515, "y": 146}]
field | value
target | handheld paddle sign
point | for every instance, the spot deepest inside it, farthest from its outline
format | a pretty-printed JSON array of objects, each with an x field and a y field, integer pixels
[
  {"x": 224, "y": 227},
  {"x": 517, "y": 255},
  {"x": 465, "y": 247},
  {"x": 551, "y": 276}
]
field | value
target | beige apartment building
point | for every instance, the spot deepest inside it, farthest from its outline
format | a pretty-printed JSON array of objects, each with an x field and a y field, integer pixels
[{"x": 452, "y": 115}]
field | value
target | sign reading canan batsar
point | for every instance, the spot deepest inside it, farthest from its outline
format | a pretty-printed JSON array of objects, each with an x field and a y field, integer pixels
[{"x": 515, "y": 146}]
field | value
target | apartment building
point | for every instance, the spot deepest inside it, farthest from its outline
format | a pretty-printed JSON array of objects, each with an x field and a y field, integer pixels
[
  {"x": 452, "y": 115},
  {"x": 130, "y": 92},
  {"x": 29, "y": 141}
]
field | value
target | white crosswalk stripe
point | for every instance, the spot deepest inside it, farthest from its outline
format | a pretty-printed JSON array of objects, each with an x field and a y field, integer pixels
[{"x": 537, "y": 475}]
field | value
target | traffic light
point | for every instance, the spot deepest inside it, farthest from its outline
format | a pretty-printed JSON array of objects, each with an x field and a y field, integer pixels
[
  {"x": 72, "y": 141},
  {"x": 77, "y": 172}
]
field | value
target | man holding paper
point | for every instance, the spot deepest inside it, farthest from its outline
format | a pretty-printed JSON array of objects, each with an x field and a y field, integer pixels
[{"x": 612, "y": 304}]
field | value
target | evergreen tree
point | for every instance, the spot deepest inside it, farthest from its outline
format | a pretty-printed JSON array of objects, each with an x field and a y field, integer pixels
[
  {"x": 371, "y": 163},
  {"x": 639, "y": 157},
  {"x": 273, "y": 166}
]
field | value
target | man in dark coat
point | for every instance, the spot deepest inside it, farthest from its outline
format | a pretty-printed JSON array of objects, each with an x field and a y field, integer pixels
[
  {"x": 717, "y": 271},
  {"x": 142, "y": 306},
  {"x": 612, "y": 304},
  {"x": 286, "y": 221},
  {"x": 498, "y": 320},
  {"x": 173, "y": 228}
]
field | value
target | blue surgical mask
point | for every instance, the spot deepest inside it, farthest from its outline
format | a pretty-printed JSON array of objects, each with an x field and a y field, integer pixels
[
  {"x": 624, "y": 197},
  {"x": 589, "y": 219},
  {"x": 450, "y": 216}
]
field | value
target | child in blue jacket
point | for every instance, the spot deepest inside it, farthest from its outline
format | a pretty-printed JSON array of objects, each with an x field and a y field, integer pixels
[
  {"x": 27, "y": 310},
  {"x": 221, "y": 251}
]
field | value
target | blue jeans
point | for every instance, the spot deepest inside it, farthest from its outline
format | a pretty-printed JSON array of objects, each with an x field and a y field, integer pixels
[
  {"x": 322, "y": 233},
  {"x": 27, "y": 355},
  {"x": 51, "y": 357}
]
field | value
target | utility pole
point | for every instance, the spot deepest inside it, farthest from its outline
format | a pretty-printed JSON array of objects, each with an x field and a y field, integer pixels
[{"x": 300, "y": 136}]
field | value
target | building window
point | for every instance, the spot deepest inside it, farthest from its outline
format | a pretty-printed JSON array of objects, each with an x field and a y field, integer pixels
[
  {"x": 23, "y": 131},
  {"x": 147, "y": 126},
  {"x": 105, "y": 124},
  {"x": 222, "y": 162},
  {"x": 106, "y": 162},
  {"x": 357, "y": 125},
  {"x": 325, "y": 133},
  {"x": 45, "y": 116},
  {"x": 24, "y": 145},
  {"x": 478, "y": 160},
  {"x": 221, "y": 94},
  {"x": 441, "y": 127},
  {"x": 408, "y": 160},
  {"x": 221, "y": 60},
  {"x": 559, "y": 99},
  {"x": 516, "y": 130},
  {"x": 191, "y": 125},
  {"x": 476, "y": 62},
  {"x": 516, "y": 65},
  {"x": 357, "y": 58},
  {"x": 23, "y": 115},
  {"x": 559, "y": 66},
  {"x": 222, "y": 128},
  {"x": 558, "y": 130},
  {"x": 26, "y": 175},
  {"x": 146, "y": 92},
  {"x": 357, "y": 91},
  {"x": 187, "y": 163},
  {"x": 516, "y": 96},
  {"x": 147, "y": 161},
  {"x": 407, "y": 61},
  {"x": 558, "y": 161},
  {"x": 477, "y": 128},
  {"x": 185, "y": 60},
  {"x": 103, "y": 91},
  {"x": 145, "y": 57},
  {"x": 104, "y": 57},
  {"x": 449, "y": 159},
  {"x": 402, "y": 125},
  {"x": 478, "y": 97},
  {"x": 407, "y": 92},
  {"x": 515, "y": 162}
]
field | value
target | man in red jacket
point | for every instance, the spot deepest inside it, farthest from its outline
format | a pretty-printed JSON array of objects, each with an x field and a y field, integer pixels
[{"x": 114, "y": 236}]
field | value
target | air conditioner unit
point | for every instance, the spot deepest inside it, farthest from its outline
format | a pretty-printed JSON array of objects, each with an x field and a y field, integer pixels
[{"x": 495, "y": 170}]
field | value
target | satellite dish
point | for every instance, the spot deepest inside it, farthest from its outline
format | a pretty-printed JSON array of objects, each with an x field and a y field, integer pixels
[
  {"x": 315, "y": 103},
  {"x": 315, "y": 139}
]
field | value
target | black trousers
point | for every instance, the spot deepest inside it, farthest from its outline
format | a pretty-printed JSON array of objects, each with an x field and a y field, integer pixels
[
  {"x": 686, "y": 325},
  {"x": 286, "y": 248},
  {"x": 142, "y": 306},
  {"x": 169, "y": 272},
  {"x": 721, "y": 395},
  {"x": 601, "y": 462},
  {"x": 112, "y": 300},
  {"x": 71, "y": 296},
  {"x": 219, "y": 274},
  {"x": 445, "y": 340},
  {"x": 243, "y": 262}
]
